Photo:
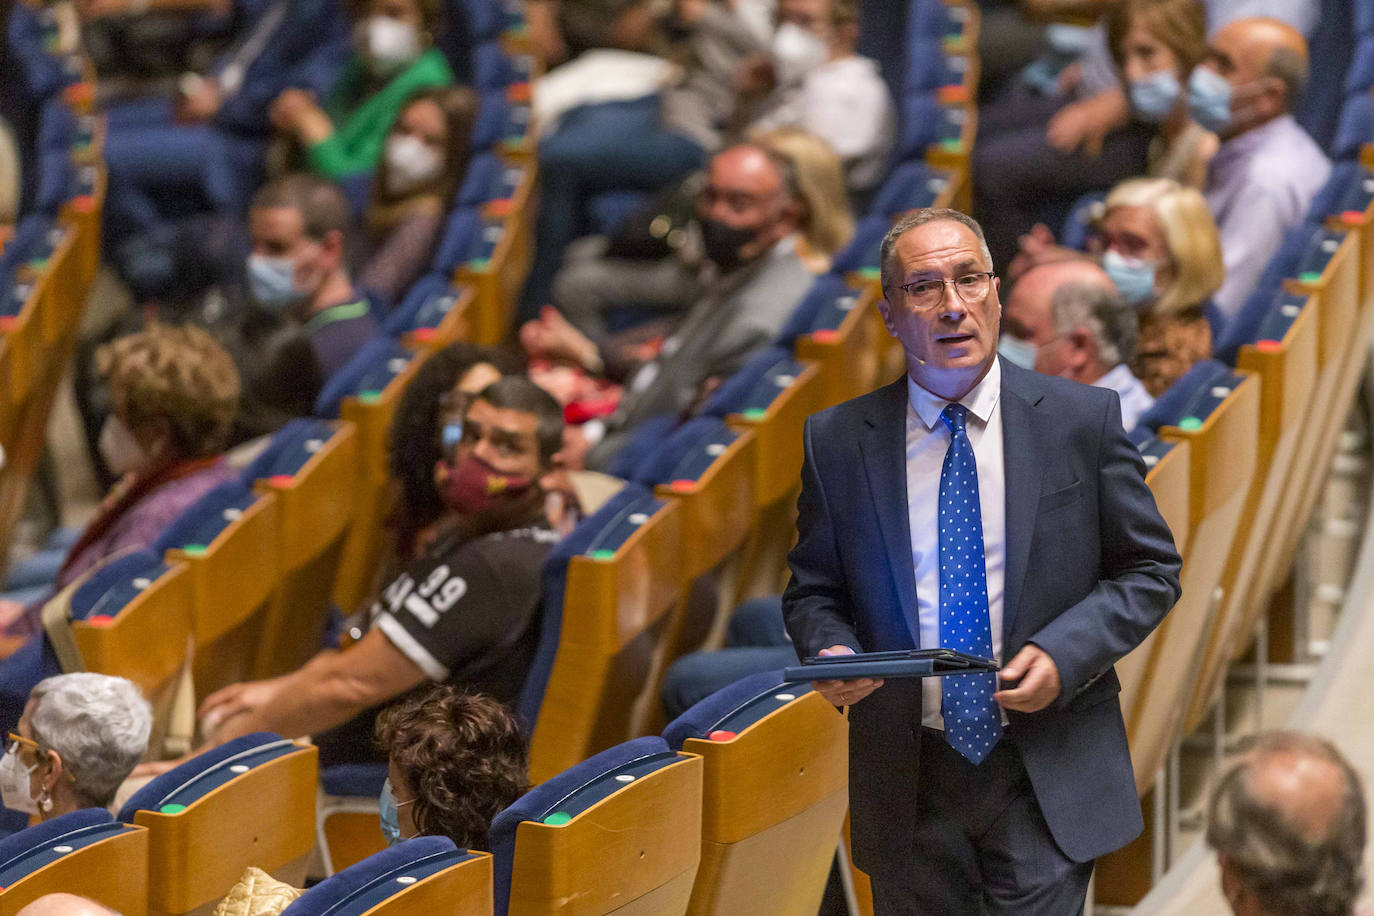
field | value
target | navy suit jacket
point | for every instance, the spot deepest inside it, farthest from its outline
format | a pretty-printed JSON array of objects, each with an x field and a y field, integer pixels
[{"x": 1091, "y": 569}]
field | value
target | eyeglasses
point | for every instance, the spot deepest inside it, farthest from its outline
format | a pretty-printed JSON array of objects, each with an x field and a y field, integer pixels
[
  {"x": 928, "y": 294},
  {"x": 13, "y": 742}
]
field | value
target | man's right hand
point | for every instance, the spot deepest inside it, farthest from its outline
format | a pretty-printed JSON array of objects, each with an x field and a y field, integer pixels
[{"x": 845, "y": 693}]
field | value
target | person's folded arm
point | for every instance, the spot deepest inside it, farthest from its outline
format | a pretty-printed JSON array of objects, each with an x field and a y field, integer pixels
[
  {"x": 815, "y": 605},
  {"x": 1140, "y": 568},
  {"x": 330, "y": 689}
]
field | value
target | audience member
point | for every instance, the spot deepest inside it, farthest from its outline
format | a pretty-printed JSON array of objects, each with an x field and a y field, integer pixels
[
  {"x": 455, "y": 761},
  {"x": 1162, "y": 252},
  {"x": 1267, "y": 169},
  {"x": 79, "y": 738},
  {"x": 1287, "y": 821},
  {"x": 1067, "y": 318},
  {"x": 425, "y": 157},
  {"x": 654, "y": 263},
  {"x": 307, "y": 318},
  {"x": 644, "y": 141},
  {"x": 1155, "y": 45},
  {"x": 466, "y": 610},
  {"x": 427, "y": 425},
  {"x": 65, "y": 905},
  {"x": 822, "y": 86},
  {"x": 205, "y": 146},
  {"x": 394, "y": 58},
  {"x": 173, "y": 394},
  {"x": 748, "y": 212},
  {"x": 826, "y": 224}
]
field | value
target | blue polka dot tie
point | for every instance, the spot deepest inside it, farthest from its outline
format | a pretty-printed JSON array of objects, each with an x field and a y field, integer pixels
[{"x": 973, "y": 723}]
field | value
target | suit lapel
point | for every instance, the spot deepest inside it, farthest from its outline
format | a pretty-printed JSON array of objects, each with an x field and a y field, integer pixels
[
  {"x": 1023, "y": 464},
  {"x": 883, "y": 446}
]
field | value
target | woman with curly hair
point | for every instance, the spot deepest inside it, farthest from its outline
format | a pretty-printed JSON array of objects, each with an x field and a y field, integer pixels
[
  {"x": 456, "y": 760},
  {"x": 174, "y": 393}
]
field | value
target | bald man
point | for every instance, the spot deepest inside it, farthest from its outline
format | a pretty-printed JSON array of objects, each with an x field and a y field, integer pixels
[
  {"x": 65, "y": 905},
  {"x": 1267, "y": 169},
  {"x": 1287, "y": 821},
  {"x": 1066, "y": 318}
]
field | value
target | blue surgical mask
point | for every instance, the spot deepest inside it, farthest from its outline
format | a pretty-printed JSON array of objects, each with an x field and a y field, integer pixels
[
  {"x": 451, "y": 435},
  {"x": 1017, "y": 352},
  {"x": 387, "y": 814},
  {"x": 1209, "y": 99},
  {"x": 1134, "y": 277},
  {"x": 1154, "y": 97},
  {"x": 272, "y": 281}
]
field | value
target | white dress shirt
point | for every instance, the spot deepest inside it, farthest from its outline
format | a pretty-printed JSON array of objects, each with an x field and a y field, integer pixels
[
  {"x": 927, "y": 441},
  {"x": 1135, "y": 400}
]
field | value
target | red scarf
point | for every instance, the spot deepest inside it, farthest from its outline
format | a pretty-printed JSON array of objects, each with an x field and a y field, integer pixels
[{"x": 126, "y": 494}]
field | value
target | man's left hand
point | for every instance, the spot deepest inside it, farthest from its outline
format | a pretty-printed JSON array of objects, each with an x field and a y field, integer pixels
[{"x": 1037, "y": 679}]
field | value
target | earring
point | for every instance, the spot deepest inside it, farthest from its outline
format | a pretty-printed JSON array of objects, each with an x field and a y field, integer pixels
[{"x": 45, "y": 801}]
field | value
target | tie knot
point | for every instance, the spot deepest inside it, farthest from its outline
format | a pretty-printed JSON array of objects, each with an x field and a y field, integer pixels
[{"x": 954, "y": 416}]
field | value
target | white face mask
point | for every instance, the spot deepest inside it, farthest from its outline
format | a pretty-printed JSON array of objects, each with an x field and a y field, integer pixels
[
  {"x": 390, "y": 45},
  {"x": 796, "y": 52},
  {"x": 410, "y": 163},
  {"x": 119, "y": 447},
  {"x": 14, "y": 784}
]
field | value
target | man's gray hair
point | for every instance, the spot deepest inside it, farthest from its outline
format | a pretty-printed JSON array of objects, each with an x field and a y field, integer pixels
[
  {"x": 1272, "y": 858},
  {"x": 1290, "y": 68},
  {"x": 1103, "y": 311},
  {"x": 98, "y": 724},
  {"x": 890, "y": 272}
]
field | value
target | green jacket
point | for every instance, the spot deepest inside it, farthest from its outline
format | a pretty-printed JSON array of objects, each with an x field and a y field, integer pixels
[{"x": 361, "y": 121}]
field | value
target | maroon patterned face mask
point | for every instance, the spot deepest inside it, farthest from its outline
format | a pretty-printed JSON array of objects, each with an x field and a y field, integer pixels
[{"x": 474, "y": 486}]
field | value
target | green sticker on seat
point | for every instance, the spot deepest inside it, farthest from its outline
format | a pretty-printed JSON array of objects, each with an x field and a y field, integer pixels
[
  {"x": 193, "y": 550},
  {"x": 558, "y": 819},
  {"x": 1310, "y": 276},
  {"x": 369, "y": 397},
  {"x": 479, "y": 264},
  {"x": 602, "y": 554},
  {"x": 172, "y": 809},
  {"x": 753, "y": 413},
  {"x": 1190, "y": 423},
  {"x": 953, "y": 144}
]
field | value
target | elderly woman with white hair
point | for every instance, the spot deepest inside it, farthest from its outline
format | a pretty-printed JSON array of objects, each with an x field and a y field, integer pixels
[{"x": 78, "y": 740}]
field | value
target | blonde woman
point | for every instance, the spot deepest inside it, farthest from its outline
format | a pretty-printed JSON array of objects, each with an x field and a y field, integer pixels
[
  {"x": 826, "y": 224},
  {"x": 1161, "y": 248},
  {"x": 174, "y": 394}
]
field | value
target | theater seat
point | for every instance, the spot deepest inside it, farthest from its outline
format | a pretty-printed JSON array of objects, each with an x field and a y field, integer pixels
[
  {"x": 837, "y": 328},
  {"x": 422, "y": 875},
  {"x": 609, "y": 587},
  {"x": 618, "y": 833},
  {"x": 1219, "y": 419},
  {"x": 1282, "y": 353},
  {"x": 365, "y": 392},
  {"x": 250, "y": 801},
  {"x": 86, "y": 852},
  {"x": 228, "y": 535},
  {"x": 762, "y": 737},
  {"x": 434, "y": 313},
  {"x": 309, "y": 468},
  {"x": 1356, "y": 125},
  {"x": 132, "y": 618}
]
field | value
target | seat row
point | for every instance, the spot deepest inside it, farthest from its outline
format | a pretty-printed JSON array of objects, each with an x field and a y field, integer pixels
[{"x": 735, "y": 809}]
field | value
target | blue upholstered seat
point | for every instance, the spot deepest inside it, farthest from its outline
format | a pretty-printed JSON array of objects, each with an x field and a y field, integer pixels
[
  {"x": 372, "y": 368},
  {"x": 755, "y": 385},
  {"x": 202, "y": 774},
  {"x": 1196, "y": 394},
  {"x": 570, "y": 792},
  {"x": 819, "y": 300},
  {"x": 456, "y": 244},
  {"x": 32, "y": 848},
  {"x": 357, "y": 889},
  {"x": 687, "y": 453},
  {"x": 733, "y": 708},
  {"x": 203, "y": 521},
  {"x": 291, "y": 447},
  {"x": 606, "y": 529}
]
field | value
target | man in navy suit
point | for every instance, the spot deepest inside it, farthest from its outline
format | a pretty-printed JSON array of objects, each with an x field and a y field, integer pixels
[{"x": 975, "y": 505}]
